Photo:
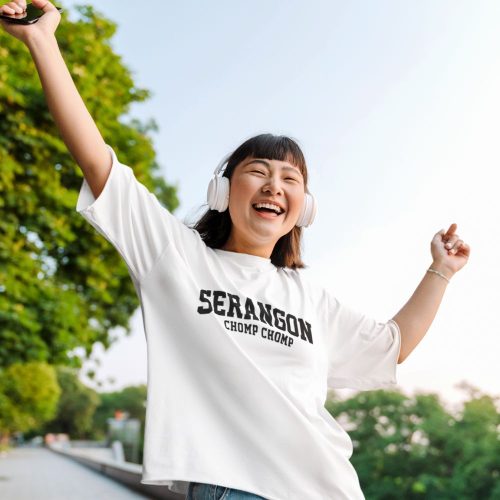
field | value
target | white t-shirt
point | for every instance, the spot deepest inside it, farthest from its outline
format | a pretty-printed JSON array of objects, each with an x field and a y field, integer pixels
[{"x": 240, "y": 356}]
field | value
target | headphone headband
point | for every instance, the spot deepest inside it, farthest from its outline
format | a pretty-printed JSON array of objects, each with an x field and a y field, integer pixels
[{"x": 218, "y": 168}]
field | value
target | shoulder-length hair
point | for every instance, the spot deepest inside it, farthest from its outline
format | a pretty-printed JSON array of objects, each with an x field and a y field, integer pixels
[{"x": 215, "y": 227}]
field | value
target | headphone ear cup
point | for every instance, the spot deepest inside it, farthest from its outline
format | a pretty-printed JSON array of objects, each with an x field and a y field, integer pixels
[
  {"x": 218, "y": 193},
  {"x": 308, "y": 213}
]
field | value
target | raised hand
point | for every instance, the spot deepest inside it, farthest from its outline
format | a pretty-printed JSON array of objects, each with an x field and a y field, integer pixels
[
  {"x": 45, "y": 26},
  {"x": 449, "y": 250}
]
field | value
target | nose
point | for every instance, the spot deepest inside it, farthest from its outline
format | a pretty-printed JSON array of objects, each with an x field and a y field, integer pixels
[{"x": 273, "y": 185}]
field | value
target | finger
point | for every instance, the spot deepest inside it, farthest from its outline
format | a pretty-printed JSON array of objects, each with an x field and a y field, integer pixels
[
  {"x": 10, "y": 9},
  {"x": 464, "y": 250},
  {"x": 453, "y": 239},
  {"x": 15, "y": 7},
  {"x": 450, "y": 231},
  {"x": 5, "y": 9},
  {"x": 44, "y": 5},
  {"x": 457, "y": 246}
]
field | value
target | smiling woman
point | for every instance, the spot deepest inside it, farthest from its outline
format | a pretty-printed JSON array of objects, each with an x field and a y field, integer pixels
[
  {"x": 242, "y": 346},
  {"x": 261, "y": 202}
]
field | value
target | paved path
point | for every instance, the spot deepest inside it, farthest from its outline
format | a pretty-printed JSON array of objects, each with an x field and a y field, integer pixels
[{"x": 37, "y": 473}]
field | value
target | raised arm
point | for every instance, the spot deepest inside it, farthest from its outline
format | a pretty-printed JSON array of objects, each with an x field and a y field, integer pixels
[
  {"x": 78, "y": 130},
  {"x": 450, "y": 254}
]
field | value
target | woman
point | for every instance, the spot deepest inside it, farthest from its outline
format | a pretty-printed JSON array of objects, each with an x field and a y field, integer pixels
[{"x": 241, "y": 347}]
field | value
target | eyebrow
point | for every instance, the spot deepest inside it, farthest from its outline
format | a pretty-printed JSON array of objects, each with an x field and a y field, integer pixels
[{"x": 267, "y": 164}]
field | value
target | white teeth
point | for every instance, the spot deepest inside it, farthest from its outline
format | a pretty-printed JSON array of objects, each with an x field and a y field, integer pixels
[{"x": 269, "y": 205}]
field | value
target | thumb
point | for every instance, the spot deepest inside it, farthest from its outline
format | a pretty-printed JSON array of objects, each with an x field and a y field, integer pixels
[{"x": 44, "y": 5}]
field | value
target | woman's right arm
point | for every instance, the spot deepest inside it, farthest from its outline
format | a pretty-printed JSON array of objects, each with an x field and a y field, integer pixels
[{"x": 77, "y": 128}]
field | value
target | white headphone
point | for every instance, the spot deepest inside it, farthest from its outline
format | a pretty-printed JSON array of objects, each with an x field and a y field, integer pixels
[{"x": 218, "y": 198}]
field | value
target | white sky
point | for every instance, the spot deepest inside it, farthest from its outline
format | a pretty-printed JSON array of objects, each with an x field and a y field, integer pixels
[{"x": 396, "y": 106}]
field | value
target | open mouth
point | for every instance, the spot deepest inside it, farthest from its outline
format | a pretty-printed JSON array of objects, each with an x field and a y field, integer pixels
[{"x": 268, "y": 213}]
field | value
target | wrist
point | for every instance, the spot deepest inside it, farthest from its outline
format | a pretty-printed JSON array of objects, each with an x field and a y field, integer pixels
[
  {"x": 39, "y": 40},
  {"x": 441, "y": 268}
]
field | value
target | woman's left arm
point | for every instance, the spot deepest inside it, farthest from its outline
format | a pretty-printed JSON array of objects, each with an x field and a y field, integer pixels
[{"x": 449, "y": 255}]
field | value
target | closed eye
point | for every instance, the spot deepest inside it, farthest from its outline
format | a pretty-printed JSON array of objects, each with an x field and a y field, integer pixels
[{"x": 264, "y": 173}]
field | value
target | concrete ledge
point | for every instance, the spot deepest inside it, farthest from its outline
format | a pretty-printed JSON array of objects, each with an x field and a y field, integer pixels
[{"x": 126, "y": 473}]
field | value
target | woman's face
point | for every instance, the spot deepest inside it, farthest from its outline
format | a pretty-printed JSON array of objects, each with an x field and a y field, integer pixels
[{"x": 261, "y": 180}]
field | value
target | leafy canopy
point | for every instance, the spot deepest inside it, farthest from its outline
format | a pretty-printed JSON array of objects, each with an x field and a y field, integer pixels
[
  {"x": 29, "y": 393},
  {"x": 62, "y": 285},
  {"x": 412, "y": 447}
]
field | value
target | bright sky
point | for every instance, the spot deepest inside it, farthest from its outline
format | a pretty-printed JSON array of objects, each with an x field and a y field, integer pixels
[{"x": 395, "y": 105}]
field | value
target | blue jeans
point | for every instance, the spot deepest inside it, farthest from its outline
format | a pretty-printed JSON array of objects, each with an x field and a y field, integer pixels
[{"x": 203, "y": 491}]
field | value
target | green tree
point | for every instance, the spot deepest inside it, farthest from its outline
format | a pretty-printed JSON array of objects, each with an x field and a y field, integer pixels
[
  {"x": 388, "y": 451},
  {"x": 76, "y": 406},
  {"x": 131, "y": 399},
  {"x": 413, "y": 448},
  {"x": 28, "y": 397},
  {"x": 62, "y": 285},
  {"x": 476, "y": 450}
]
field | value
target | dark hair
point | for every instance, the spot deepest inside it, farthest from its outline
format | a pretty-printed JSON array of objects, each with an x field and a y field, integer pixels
[{"x": 215, "y": 227}]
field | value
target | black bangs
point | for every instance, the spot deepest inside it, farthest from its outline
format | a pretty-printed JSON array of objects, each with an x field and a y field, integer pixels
[{"x": 271, "y": 147}]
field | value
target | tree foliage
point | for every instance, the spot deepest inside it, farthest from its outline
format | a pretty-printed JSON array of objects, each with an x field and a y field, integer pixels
[
  {"x": 62, "y": 285},
  {"x": 76, "y": 406},
  {"x": 29, "y": 394},
  {"x": 413, "y": 448},
  {"x": 131, "y": 399}
]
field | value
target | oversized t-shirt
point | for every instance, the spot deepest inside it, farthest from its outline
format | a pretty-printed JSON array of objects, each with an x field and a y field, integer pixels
[{"x": 240, "y": 356}]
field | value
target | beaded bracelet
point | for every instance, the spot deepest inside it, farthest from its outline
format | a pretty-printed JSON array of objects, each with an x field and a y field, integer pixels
[{"x": 440, "y": 274}]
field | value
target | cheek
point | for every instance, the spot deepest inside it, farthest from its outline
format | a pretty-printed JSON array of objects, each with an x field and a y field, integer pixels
[
  {"x": 298, "y": 201},
  {"x": 241, "y": 192},
  {"x": 238, "y": 199}
]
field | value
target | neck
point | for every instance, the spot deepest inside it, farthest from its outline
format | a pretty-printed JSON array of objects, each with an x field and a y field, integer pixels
[{"x": 232, "y": 246}]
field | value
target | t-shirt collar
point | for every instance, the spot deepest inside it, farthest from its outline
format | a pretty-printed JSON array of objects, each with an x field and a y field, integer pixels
[{"x": 246, "y": 260}]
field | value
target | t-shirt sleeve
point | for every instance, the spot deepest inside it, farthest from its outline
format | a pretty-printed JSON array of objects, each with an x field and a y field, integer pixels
[
  {"x": 362, "y": 352},
  {"x": 132, "y": 219}
]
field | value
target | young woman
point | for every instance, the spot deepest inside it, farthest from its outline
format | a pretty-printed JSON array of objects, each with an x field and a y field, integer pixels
[{"x": 241, "y": 347}]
